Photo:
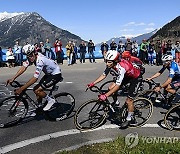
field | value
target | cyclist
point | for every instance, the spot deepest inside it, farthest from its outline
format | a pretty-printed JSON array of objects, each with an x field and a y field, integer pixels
[
  {"x": 173, "y": 80},
  {"x": 127, "y": 73},
  {"x": 51, "y": 77}
]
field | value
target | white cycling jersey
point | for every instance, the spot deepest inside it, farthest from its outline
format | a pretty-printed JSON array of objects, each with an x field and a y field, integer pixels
[{"x": 48, "y": 66}]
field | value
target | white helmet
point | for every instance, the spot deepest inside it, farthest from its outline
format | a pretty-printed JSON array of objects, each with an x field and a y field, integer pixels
[
  {"x": 112, "y": 55},
  {"x": 167, "y": 57}
]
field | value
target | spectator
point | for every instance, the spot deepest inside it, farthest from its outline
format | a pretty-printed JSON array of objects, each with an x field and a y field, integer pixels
[
  {"x": 143, "y": 53},
  {"x": 25, "y": 48},
  {"x": 91, "y": 49},
  {"x": 169, "y": 47},
  {"x": 18, "y": 53},
  {"x": 69, "y": 53},
  {"x": 48, "y": 49},
  {"x": 121, "y": 47},
  {"x": 113, "y": 45},
  {"x": 128, "y": 45},
  {"x": 104, "y": 48},
  {"x": 37, "y": 48},
  {"x": 43, "y": 51},
  {"x": 177, "y": 52},
  {"x": 82, "y": 51},
  {"x": 151, "y": 53},
  {"x": 134, "y": 48},
  {"x": 75, "y": 56},
  {"x": 158, "y": 50},
  {"x": 10, "y": 57},
  {"x": 58, "y": 50}
]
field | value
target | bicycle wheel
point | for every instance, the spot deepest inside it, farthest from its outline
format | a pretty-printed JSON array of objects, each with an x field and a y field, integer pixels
[
  {"x": 150, "y": 95},
  {"x": 90, "y": 115},
  {"x": 143, "y": 109},
  {"x": 63, "y": 107},
  {"x": 172, "y": 118},
  {"x": 12, "y": 110}
]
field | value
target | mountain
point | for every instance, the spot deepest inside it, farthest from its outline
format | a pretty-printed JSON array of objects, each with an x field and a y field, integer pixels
[
  {"x": 170, "y": 31},
  {"x": 138, "y": 38},
  {"x": 32, "y": 28}
]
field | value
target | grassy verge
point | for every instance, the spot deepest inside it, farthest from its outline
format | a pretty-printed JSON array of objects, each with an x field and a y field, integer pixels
[{"x": 118, "y": 146}]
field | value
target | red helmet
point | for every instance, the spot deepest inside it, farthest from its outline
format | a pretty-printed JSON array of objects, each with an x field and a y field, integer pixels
[{"x": 126, "y": 54}]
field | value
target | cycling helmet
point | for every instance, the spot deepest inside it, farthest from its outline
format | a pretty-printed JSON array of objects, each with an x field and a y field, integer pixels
[
  {"x": 112, "y": 55},
  {"x": 30, "y": 50},
  {"x": 167, "y": 57},
  {"x": 126, "y": 54}
]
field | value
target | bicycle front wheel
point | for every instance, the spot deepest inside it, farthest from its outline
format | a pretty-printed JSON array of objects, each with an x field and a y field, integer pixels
[
  {"x": 143, "y": 109},
  {"x": 90, "y": 115},
  {"x": 172, "y": 118},
  {"x": 143, "y": 85},
  {"x": 64, "y": 106},
  {"x": 12, "y": 110}
]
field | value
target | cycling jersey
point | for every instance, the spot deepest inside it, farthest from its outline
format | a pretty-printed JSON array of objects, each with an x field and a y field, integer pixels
[
  {"x": 124, "y": 69},
  {"x": 135, "y": 60},
  {"x": 174, "y": 70},
  {"x": 48, "y": 66}
]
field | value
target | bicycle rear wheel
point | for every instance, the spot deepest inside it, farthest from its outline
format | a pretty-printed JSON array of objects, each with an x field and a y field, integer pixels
[
  {"x": 90, "y": 115},
  {"x": 172, "y": 118},
  {"x": 149, "y": 94},
  {"x": 12, "y": 110},
  {"x": 64, "y": 106},
  {"x": 143, "y": 109}
]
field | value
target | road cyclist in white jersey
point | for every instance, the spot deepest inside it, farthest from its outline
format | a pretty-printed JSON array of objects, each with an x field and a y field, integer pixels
[{"x": 52, "y": 76}]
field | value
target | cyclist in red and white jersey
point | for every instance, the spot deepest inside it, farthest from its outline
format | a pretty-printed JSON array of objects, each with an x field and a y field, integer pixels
[
  {"x": 51, "y": 77},
  {"x": 127, "y": 73}
]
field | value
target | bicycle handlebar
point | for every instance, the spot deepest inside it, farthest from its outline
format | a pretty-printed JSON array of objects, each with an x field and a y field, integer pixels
[
  {"x": 154, "y": 83},
  {"x": 15, "y": 84},
  {"x": 94, "y": 89}
]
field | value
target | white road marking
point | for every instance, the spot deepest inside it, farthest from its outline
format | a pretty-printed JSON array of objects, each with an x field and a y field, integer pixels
[{"x": 27, "y": 142}]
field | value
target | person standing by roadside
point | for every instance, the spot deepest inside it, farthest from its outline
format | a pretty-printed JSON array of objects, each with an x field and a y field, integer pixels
[
  {"x": 128, "y": 45},
  {"x": 69, "y": 50},
  {"x": 82, "y": 51},
  {"x": 58, "y": 50},
  {"x": 113, "y": 45},
  {"x": 151, "y": 53},
  {"x": 143, "y": 55},
  {"x": 75, "y": 56},
  {"x": 134, "y": 48},
  {"x": 47, "y": 48},
  {"x": 177, "y": 52},
  {"x": 104, "y": 49},
  {"x": 120, "y": 48},
  {"x": 18, "y": 53},
  {"x": 169, "y": 47},
  {"x": 158, "y": 50},
  {"x": 42, "y": 48},
  {"x": 91, "y": 49}
]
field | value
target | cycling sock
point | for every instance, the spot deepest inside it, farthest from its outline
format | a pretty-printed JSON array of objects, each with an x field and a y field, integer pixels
[
  {"x": 48, "y": 98},
  {"x": 129, "y": 116}
]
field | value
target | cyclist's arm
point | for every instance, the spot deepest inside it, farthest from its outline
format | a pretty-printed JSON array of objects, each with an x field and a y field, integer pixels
[
  {"x": 166, "y": 83},
  {"x": 29, "y": 83},
  {"x": 20, "y": 71},
  {"x": 103, "y": 76},
  {"x": 157, "y": 74}
]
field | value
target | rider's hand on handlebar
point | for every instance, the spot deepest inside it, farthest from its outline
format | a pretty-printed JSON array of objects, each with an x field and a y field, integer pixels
[
  {"x": 18, "y": 91},
  {"x": 9, "y": 81},
  {"x": 90, "y": 85},
  {"x": 148, "y": 79},
  {"x": 102, "y": 97}
]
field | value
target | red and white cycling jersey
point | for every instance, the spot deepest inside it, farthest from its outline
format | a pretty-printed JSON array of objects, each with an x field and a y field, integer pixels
[
  {"x": 124, "y": 69},
  {"x": 48, "y": 66}
]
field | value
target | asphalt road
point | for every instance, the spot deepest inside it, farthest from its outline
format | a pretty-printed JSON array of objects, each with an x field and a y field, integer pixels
[{"x": 42, "y": 136}]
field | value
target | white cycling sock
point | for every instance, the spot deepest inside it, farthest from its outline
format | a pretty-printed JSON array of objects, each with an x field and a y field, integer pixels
[
  {"x": 129, "y": 116},
  {"x": 48, "y": 98}
]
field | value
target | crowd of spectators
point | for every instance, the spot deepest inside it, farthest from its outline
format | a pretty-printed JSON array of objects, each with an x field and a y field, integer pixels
[{"x": 150, "y": 52}]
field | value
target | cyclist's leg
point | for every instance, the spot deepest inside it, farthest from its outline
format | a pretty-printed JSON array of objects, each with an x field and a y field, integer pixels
[{"x": 130, "y": 98}]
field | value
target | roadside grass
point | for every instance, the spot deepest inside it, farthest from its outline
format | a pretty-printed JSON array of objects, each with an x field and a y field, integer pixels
[{"x": 118, "y": 146}]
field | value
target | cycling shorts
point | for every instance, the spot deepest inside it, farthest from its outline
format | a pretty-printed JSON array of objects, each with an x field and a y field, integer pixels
[
  {"x": 132, "y": 88},
  {"x": 50, "y": 80},
  {"x": 175, "y": 83}
]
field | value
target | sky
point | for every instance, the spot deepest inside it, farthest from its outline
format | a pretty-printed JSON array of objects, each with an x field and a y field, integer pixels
[{"x": 100, "y": 20}]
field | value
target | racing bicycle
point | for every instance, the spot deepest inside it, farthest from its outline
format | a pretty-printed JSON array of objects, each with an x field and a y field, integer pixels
[
  {"x": 94, "y": 112},
  {"x": 14, "y": 109}
]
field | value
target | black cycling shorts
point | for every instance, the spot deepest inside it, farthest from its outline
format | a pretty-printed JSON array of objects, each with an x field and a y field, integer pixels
[
  {"x": 133, "y": 84},
  {"x": 50, "y": 80}
]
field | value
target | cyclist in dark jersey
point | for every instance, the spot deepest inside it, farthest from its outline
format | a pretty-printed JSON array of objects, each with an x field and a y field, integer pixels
[
  {"x": 173, "y": 80},
  {"x": 127, "y": 73}
]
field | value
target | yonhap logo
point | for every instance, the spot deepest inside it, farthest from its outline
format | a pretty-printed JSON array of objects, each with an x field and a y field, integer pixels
[{"x": 131, "y": 140}]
